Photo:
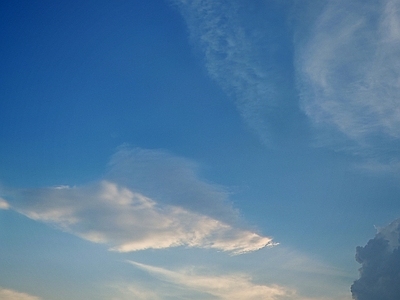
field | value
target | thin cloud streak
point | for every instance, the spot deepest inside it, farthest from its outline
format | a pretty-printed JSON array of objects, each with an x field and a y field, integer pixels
[
  {"x": 232, "y": 286},
  {"x": 3, "y": 204},
  {"x": 7, "y": 294}
]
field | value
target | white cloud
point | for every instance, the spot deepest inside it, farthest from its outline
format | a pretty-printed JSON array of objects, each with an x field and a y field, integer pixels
[
  {"x": 232, "y": 286},
  {"x": 7, "y": 294},
  {"x": 4, "y": 204},
  {"x": 110, "y": 213},
  {"x": 349, "y": 69}
]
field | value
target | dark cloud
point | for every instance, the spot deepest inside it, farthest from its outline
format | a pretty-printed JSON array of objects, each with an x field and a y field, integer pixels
[{"x": 380, "y": 271}]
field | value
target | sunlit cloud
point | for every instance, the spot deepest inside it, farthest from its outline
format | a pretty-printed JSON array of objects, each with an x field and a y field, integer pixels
[
  {"x": 109, "y": 213},
  {"x": 7, "y": 294},
  {"x": 231, "y": 286},
  {"x": 4, "y": 204}
]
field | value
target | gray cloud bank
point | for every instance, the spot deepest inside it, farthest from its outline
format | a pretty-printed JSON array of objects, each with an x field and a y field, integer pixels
[
  {"x": 380, "y": 271},
  {"x": 120, "y": 214}
]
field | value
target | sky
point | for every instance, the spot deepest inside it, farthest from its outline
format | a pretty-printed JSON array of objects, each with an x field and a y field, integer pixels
[{"x": 200, "y": 149}]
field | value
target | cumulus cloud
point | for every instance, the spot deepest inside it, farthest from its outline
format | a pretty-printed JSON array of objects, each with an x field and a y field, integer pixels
[
  {"x": 348, "y": 66},
  {"x": 241, "y": 46},
  {"x": 7, "y": 294},
  {"x": 231, "y": 286},
  {"x": 126, "y": 220},
  {"x": 380, "y": 271}
]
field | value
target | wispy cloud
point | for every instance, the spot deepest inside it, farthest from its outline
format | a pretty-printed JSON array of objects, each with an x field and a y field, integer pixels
[
  {"x": 231, "y": 286},
  {"x": 240, "y": 47},
  {"x": 110, "y": 213},
  {"x": 348, "y": 68},
  {"x": 7, "y": 294}
]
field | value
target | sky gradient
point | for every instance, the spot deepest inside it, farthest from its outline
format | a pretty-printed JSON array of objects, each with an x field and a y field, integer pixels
[{"x": 198, "y": 149}]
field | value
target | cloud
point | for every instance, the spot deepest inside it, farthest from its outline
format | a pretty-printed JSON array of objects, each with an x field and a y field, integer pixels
[
  {"x": 171, "y": 180},
  {"x": 241, "y": 46},
  {"x": 232, "y": 286},
  {"x": 6, "y": 294},
  {"x": 380, "y": 271},
  {"x": 348, "y": 66},
  {"x": 3, "y": 204},
  {"x": 134, "y": 291},
  {"x": 111, "y": 213}
]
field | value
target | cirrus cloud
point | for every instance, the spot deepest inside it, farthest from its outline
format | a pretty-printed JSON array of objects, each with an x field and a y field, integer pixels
[{"x": 348, "y": 69}]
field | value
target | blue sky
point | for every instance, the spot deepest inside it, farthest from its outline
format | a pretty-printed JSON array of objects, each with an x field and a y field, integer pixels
[{"x": 176, "y": 149}]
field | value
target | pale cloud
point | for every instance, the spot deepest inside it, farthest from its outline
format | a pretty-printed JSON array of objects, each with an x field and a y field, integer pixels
[
  {"x": 349, "y": 69},
  {"x": 7, "y": 294},
  {"x": 231, "y": 286},
  {"x": 3, "y": 204},
  {"x": 110, "y": 213}
]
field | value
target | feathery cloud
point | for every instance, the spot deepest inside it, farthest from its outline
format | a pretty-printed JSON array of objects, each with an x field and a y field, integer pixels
[
  {"x": 348, "y": 68},
  {"x": 241, "y": 47}
]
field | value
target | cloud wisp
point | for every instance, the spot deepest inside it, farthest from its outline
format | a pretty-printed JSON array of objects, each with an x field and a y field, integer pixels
[
  {"x": 241, "y": 45},
  {"x": 380, "y": 271},
  {"x": 7, "y": 294},
  {"x": 345, "y": 57},
  {"x": 111, "y": 213},
  {"x": 228, "y": 286},
  {"x": 348, "y": 67}
]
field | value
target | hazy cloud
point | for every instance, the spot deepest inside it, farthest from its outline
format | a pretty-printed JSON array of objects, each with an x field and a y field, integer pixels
[
  {"x": 7, "y": 294},
  {"x": 380, "y": 271},
  {"x": 111, "y": 213},
  {"x": 348, "y": 66}
]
